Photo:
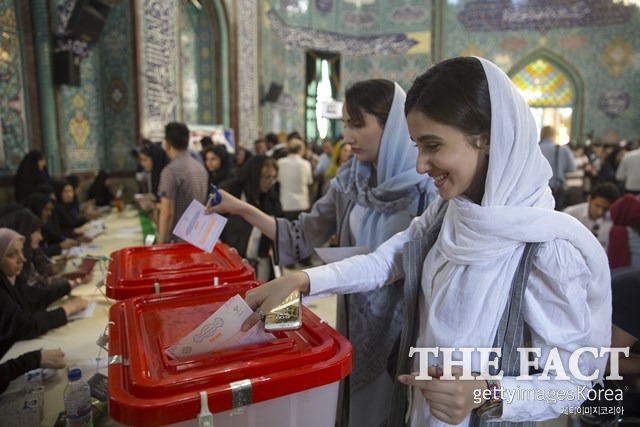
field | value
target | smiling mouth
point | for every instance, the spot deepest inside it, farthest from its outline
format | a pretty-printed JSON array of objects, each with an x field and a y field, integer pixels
[{"x": 439, "y": 179}]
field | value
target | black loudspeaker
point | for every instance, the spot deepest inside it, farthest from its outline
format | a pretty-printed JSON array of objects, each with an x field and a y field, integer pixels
[
  {"x": 87, "y": 19},
  {"x": 274, "y": 92},
  {"x": 66, "y": 66}
]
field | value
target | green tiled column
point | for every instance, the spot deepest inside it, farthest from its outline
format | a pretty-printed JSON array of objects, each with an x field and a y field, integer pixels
[{"x": 46, "y": 92}]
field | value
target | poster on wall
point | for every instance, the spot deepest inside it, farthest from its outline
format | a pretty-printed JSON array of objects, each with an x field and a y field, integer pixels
[{"x": 218, "y": 133}]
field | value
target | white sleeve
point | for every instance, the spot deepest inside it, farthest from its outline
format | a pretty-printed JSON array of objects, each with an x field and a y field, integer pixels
[
  {"x": 557, "y": 313},
  {"x": 621, "y": 172},
  {"x": 363, "y": 273}
]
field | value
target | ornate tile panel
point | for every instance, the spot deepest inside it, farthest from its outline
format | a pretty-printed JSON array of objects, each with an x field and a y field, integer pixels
[
  {"x": 247, "y": 71},
  {"x": 14, "y": 120},
  {"x": 159, "y": 92}
]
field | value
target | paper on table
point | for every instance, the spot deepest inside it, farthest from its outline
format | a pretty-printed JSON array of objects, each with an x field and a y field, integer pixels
[
  {"x": 201, "y": 230},
  {"x": 330, "y": 255},
  {"x": 84, "y": 314},
  {"x": 223, "y": 325},
  {"x": 130, "y": 230},
  {"x": 94, "y": 228}
]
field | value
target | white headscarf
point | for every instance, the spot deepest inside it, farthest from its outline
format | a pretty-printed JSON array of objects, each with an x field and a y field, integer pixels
[{"x": 484, "y": 242}]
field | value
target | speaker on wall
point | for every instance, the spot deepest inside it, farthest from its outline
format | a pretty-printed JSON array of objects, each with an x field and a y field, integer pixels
[
  {"x": 66, "y": 67},
  {"x": 87, "y": 19},
  {"x": 274, "y": 92}
]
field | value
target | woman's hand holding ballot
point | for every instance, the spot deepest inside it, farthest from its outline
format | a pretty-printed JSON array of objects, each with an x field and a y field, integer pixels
[{"x": 265, "y": 298}]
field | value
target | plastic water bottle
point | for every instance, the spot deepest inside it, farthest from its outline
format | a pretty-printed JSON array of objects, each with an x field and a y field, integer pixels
[
  {"x": 117, "y": 201},
  {"x": 77, "y": 400}
]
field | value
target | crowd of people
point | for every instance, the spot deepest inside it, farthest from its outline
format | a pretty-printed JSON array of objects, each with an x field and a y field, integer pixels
[{"x": 455, "y": 195}]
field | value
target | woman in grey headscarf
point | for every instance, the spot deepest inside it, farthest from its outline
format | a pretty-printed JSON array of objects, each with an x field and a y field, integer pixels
[{"x": 373, "y": 196}]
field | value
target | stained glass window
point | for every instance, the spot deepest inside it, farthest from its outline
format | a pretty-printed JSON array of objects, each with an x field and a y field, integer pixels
[{"x": 544, "y": 85}]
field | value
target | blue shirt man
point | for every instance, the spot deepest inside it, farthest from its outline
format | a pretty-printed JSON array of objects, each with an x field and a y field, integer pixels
[{"x": 561, "y": 160}]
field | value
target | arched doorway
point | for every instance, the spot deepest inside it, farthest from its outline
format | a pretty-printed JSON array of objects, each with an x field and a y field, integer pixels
[
  {"x": 554, "y": 91},
  {"x": 204, "y": 58}
]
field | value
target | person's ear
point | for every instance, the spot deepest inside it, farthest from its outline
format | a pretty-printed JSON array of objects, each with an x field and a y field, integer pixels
[{"x": 483, "y": 143}]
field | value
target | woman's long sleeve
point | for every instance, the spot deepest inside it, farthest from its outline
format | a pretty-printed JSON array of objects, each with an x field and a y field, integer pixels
[
  {"x": 13, "y": 368},
  {"x": 297, "y": 239}
]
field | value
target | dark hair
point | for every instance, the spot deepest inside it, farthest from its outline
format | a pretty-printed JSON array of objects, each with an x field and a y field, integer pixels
[
  {"x": 455, "y": 93},
  {"x": 43, "y": 188},
  {"x": 206, "y": 142},
  {"x": 373, "y": 96},
  {"x": 271, "y": 138},
  {"x": 294, "y": 135},
  {"x": 606, "y": 190},
  {"x": 74, "y": 180},
  {"x": 177, "y": 135},
  {"x": 270, "y": 162},
  {"x": 220, "y": 151},
  {"x": 146, "y": 150},
  {"x": 28, "y": 175}
]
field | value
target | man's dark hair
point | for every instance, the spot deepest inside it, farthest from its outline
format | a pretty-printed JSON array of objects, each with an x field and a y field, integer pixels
[
  {"x": 177, "y": 135},
  {"x": 272, "y": 139},
  {"x": 606, "y": 190}
]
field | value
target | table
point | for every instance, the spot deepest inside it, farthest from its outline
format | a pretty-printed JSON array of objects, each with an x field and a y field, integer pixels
[{"x": 78, "y": 338}]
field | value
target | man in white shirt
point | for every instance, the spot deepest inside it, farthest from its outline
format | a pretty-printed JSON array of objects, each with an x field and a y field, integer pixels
[
  {"x": 629, "y": 171},
  {"x": 594, "y": 213},
  {"x": 295, "y": 177},
  {"x": 562, "y": 162}
]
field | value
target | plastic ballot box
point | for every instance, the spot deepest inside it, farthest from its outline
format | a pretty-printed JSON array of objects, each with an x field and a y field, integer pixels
[
  {"x": 142, "y": 270},
  {"x": 292, "y": 380}
]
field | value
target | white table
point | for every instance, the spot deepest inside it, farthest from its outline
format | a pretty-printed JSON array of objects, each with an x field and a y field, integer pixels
[{"x": 78, "y": 338}]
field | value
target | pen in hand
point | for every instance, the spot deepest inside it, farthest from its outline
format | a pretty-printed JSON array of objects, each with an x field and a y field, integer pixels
[{"x": 215, "y": 196}]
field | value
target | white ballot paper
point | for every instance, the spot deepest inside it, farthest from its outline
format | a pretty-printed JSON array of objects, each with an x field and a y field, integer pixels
[
  {"x": 329, "y": 255},
  {"x": 201, "y": 230},
  {"x": 84, "y": 314},
  {"x": 220, "y": 330}
]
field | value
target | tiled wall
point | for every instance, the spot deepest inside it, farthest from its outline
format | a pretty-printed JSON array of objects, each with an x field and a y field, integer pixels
[
  {"x": 14, "y": 117},
  {"x": 118, "y": 88},
  {"x": 395, "y": 39},
  {"x": 97, "y": 120},
  {"x": 598, "y": 39},
  {"x": 159, "y": 80},
  {"x": 376, "y": 40},
  {"x": 198, "y": 67}
]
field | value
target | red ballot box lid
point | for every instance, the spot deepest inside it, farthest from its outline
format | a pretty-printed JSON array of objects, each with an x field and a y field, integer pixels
[
  {"x": 136, "y": 270},
  {"x": 147, "y": 387}
]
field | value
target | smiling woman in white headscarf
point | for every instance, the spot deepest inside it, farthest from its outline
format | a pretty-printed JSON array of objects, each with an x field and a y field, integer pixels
[{"x": 478, "y": 280}]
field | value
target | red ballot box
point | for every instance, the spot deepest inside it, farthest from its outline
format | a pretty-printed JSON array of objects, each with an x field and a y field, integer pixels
[
  {"x": 290, "y": 381},
  {"x": 142, "y": 270}
]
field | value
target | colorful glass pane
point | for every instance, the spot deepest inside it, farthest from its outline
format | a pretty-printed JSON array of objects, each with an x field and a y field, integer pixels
[{"x": 544, "y": 85}]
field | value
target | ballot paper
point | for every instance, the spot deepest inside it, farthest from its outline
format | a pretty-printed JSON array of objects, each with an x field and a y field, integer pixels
[
  {"x": 94, "y": 228},
  {"x": 201, "y": 230},
  {"x": 84, "y": 314},
  {"x": 223, "y": 325}
]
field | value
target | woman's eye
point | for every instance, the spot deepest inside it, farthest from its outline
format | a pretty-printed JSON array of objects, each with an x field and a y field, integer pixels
[{"x": 428, "y": 148}]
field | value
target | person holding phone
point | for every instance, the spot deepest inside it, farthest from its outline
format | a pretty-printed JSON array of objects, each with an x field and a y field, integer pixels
[
  {"x": 373, "y": 196},
  {"x": 490, "y": 255}
]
